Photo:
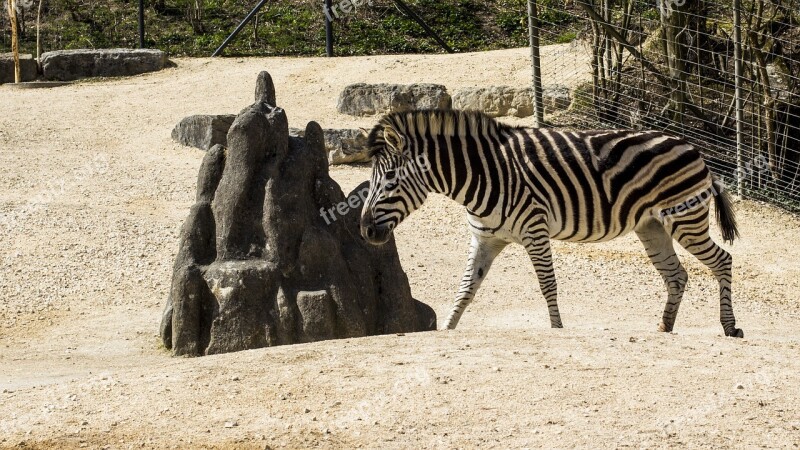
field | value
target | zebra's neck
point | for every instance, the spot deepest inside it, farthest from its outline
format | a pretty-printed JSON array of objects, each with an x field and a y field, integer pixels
[
  {"x": 461, "y": 159},
  {"x": 461, "y": 148}
]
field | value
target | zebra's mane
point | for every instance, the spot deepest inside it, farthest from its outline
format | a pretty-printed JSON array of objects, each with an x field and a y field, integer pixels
[{"x": 437, "y": 122}]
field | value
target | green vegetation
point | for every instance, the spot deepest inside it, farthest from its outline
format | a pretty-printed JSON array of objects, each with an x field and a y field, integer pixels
[
  {"x": 567, "y": 36},
  {"x": 295, "y": 27}
]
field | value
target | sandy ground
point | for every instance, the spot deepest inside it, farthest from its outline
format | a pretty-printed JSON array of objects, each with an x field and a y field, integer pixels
[{"x": 92, "y": 196}]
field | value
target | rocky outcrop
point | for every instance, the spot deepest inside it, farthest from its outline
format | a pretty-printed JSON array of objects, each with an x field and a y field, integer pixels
[
  {"x": 203, "y": 131},
  {"x": 369, "y": 99},
  {"x": 271, "y": 253},
  {"x": 27, "y": 67},
  {"x": 66, "y": 65},
  {"x": 343, "y": 145},
  {"x": 556, "y": 97},
  {"x": 497, "y": 101}
]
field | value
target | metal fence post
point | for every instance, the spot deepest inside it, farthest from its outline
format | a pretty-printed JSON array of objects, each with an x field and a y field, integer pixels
[
  {"x": 328, "y": 29},
  {"x": 737, "y": 55},
  {"x": 239, "y": 28},
  {"x": 141, "y": 23},
  {"x": 533, "y": 32},
  {"x": 405, "y": 9}
]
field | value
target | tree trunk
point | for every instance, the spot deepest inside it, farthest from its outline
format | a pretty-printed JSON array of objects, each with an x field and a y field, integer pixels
[
  {"x": 673, "y": 22},
  {"x": 769, "y": 104},
  {"x": 12, "y": 16},
  {"x": 195, "y": 15}
]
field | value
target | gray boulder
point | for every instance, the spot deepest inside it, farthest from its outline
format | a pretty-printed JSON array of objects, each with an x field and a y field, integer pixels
[
  {"x": 497, "y": 101},
  {"x": 66, "y": 65},
  {"x": 27, "y": 67},
  {"x": 271, "y": 253},
  {"x": 343, "y": 146},
  {"x": 556, "y": 97},
  {"x": 203, "y": 131},
  {"x": 369, "y": 99}
]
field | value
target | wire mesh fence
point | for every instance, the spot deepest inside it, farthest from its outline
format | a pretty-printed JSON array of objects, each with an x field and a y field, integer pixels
[
  {"x": 647, "y": 64},
  {"x": 672, "y": 65}
]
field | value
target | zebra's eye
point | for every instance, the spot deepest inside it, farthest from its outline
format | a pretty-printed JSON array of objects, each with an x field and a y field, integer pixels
[{"x": 390, "y": 180}]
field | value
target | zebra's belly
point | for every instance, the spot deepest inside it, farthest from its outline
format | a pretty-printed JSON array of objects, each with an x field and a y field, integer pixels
[
  {"x": 594, "y": 238},
  {"x": 512, "y": 236},
  {"x": 591, "y": 229},
  {"x": 602, "y": 223},
  {"x": 491, "y": 228}
]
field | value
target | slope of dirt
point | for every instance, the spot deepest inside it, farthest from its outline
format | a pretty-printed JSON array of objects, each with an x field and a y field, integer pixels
[{"x": 92, "y": 196}]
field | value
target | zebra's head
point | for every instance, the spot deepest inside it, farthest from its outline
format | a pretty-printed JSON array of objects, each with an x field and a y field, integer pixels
[{"x": 397, "y": 185}]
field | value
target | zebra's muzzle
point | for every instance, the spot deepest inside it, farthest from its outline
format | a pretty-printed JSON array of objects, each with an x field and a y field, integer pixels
[{"x": 373, "y": 234}]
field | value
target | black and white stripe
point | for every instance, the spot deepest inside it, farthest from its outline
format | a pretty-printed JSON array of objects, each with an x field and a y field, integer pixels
[{"x": 531, "y": 185}]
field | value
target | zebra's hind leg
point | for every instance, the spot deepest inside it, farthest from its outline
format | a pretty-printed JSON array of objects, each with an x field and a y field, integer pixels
[
  {"x": 482, "y": 252},
  {"x": 658, "y": 245},
  {"x": 691, "y": 231},
  {"x": 537, "y": 244}
]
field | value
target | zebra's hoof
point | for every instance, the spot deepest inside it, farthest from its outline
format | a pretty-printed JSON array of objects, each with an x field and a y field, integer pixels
[
  {"x": 662, "y": 327},
  {"x": 737, "y": 333}
]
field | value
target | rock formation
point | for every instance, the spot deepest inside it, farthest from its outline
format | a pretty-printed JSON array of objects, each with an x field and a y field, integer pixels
[
  {"x": 28, "y": 68},
  {"x": 203, "y": 130},
  {"x": 497, "y": 101},
  {"x": 343, "y": 145},
  {"x": 67, "y": 65},
  {"x": 363, "y": 99},
  {"x": 271, "y": 252}
]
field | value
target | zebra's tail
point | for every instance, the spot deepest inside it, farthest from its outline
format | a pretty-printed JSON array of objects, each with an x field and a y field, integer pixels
[{"x": 726, "y": 218}]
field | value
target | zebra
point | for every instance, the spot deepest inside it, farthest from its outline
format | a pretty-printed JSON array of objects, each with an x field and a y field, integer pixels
[{"x": 531, "y": 185}]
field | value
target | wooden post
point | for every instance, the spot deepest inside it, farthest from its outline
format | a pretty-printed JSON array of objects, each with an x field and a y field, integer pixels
[{"x": 12, "y": 15}]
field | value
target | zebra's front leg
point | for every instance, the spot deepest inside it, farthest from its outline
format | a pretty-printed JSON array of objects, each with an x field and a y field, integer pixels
[
  {"x": 482, "y": 252},
  {"x": 537, "y": 244}
]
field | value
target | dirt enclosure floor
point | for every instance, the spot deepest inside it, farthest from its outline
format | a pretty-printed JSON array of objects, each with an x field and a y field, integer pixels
[{"x": 92, "y": 196}]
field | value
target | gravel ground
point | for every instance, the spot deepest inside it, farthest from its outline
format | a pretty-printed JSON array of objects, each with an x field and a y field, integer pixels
[{"x": 92, "y": 196}]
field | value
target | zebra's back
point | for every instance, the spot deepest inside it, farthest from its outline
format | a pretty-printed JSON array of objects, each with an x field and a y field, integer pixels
[{"x": 597, "y": 185}]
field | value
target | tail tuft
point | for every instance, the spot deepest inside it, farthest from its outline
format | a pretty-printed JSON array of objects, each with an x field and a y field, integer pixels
[{"x": 726, "y": 218}]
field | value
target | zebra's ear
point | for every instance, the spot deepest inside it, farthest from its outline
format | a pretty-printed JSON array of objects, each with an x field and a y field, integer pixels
[
  {"x": 364, "y": 132},
  {"x": 393, "y": 139}
]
